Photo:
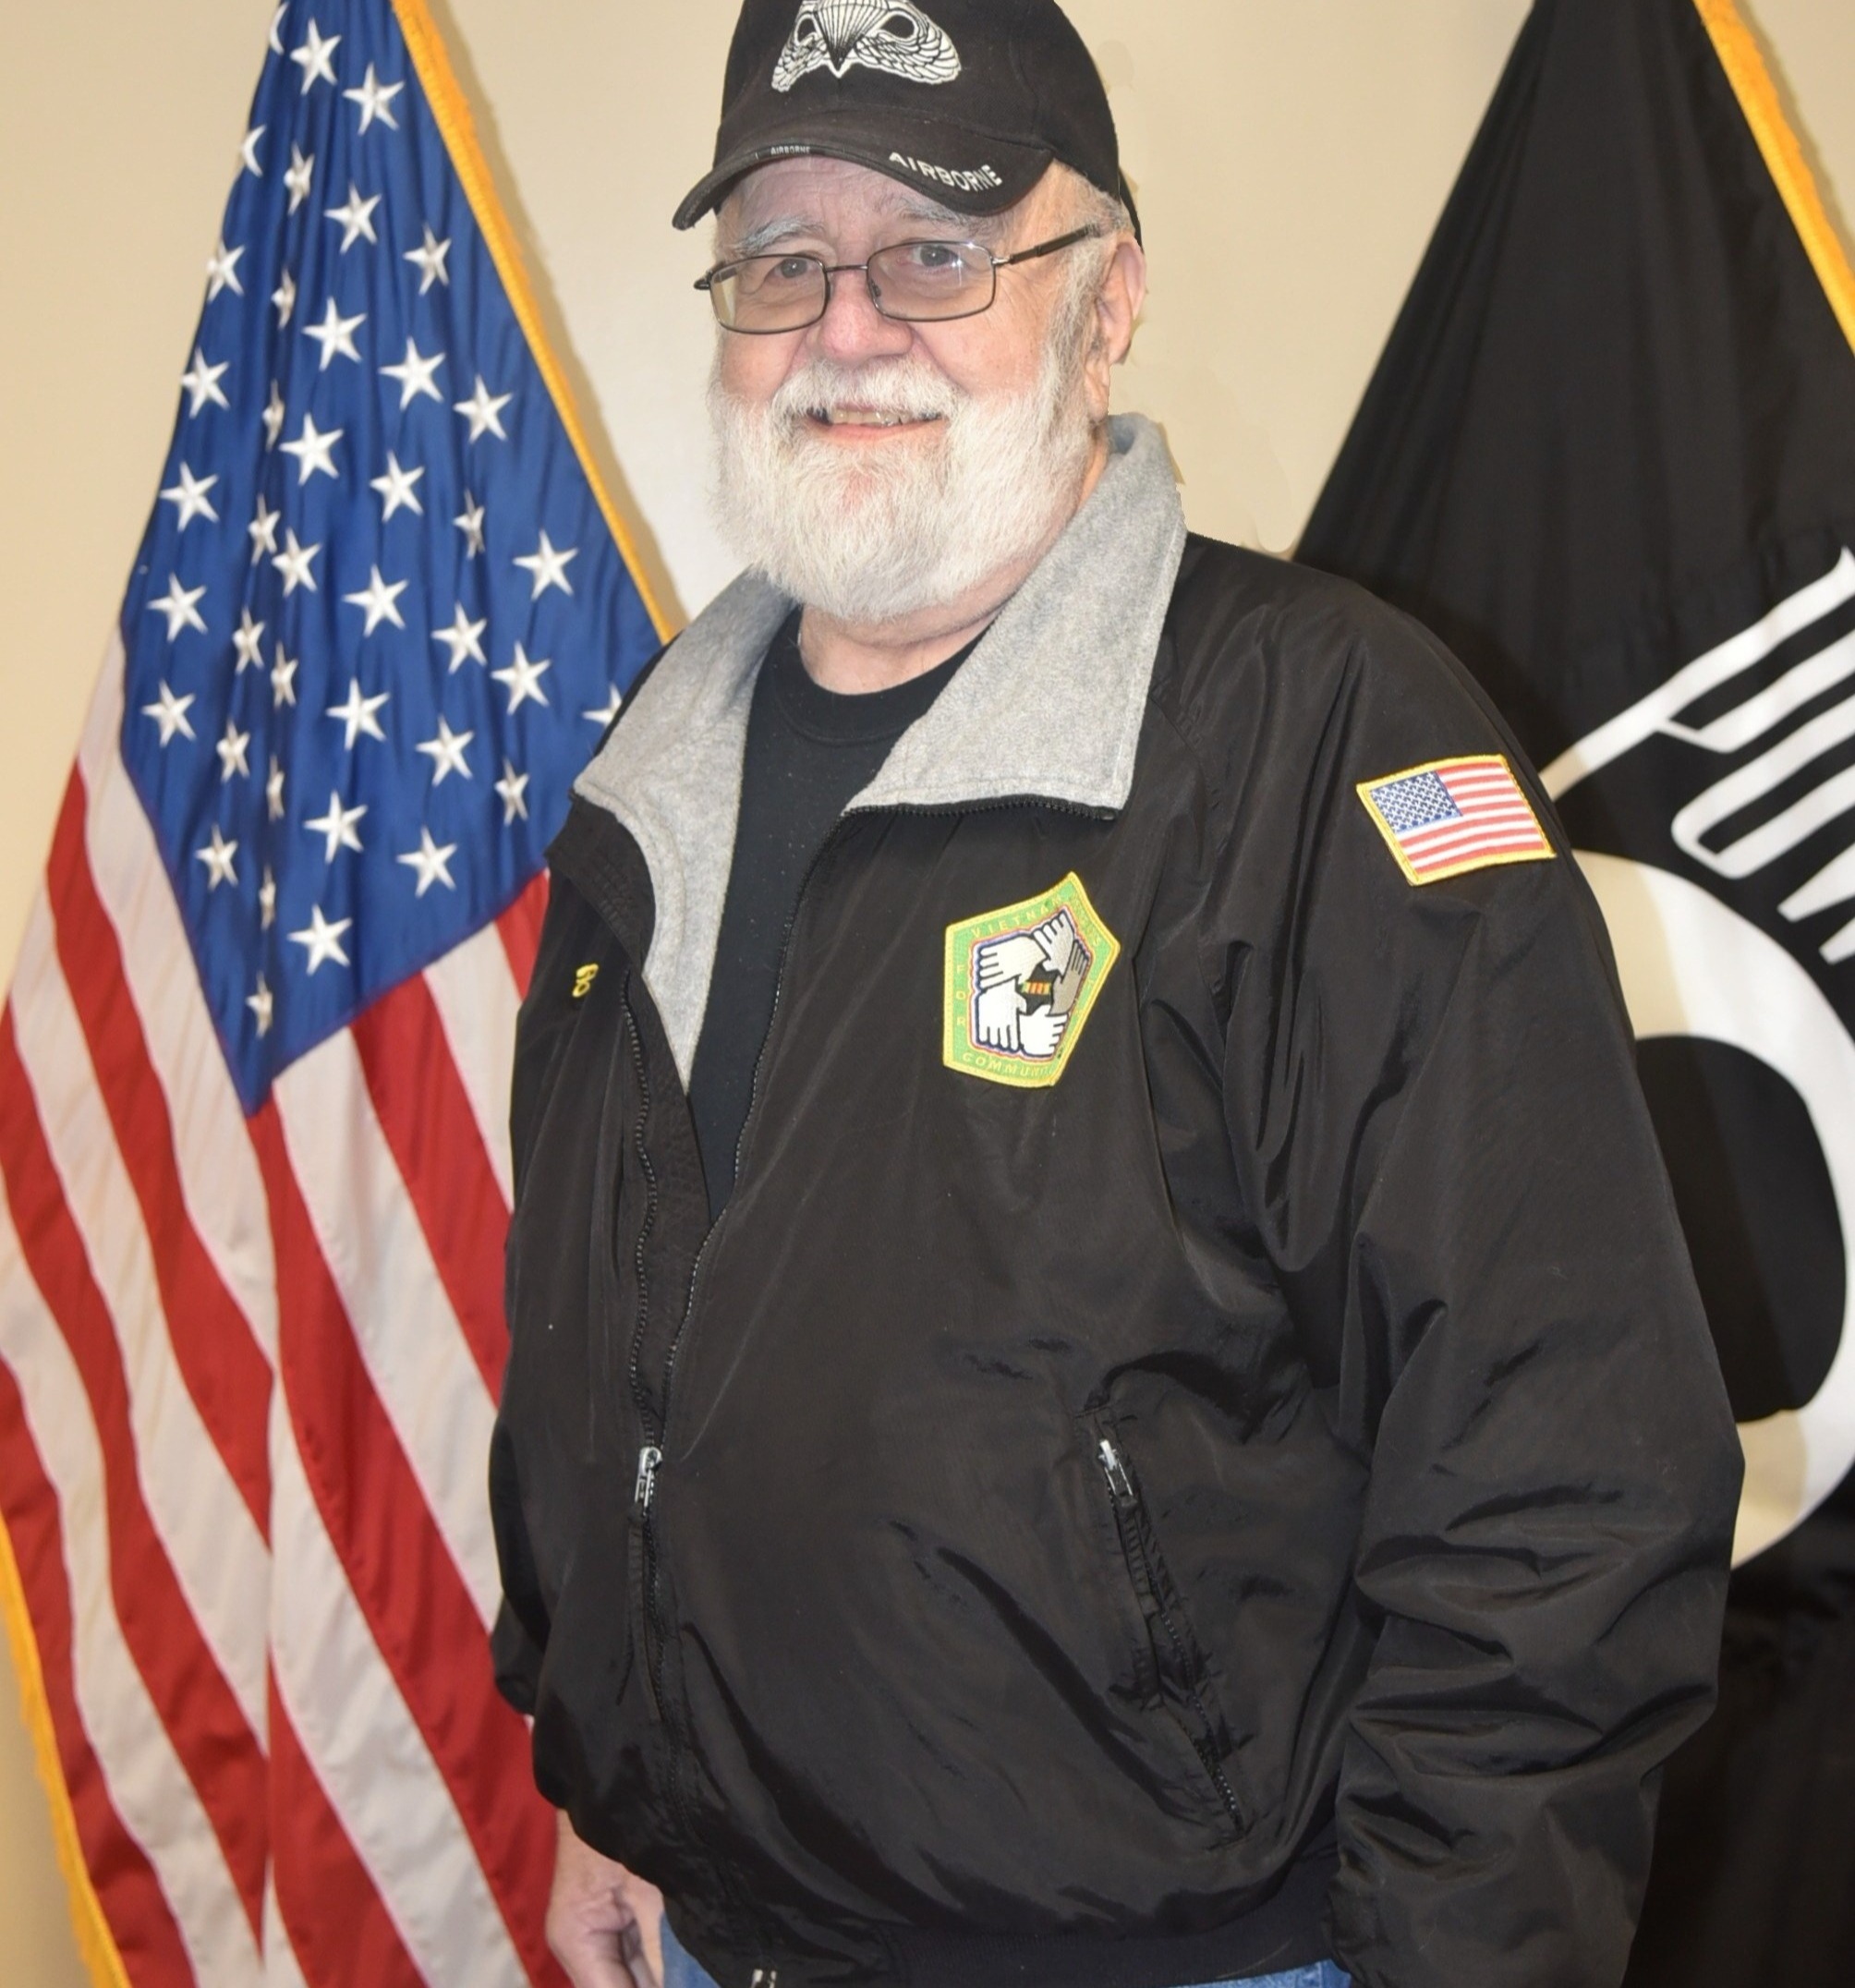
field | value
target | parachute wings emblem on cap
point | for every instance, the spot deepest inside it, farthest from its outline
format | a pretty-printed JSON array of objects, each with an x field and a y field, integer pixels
[{"x": 891, "y": 36}]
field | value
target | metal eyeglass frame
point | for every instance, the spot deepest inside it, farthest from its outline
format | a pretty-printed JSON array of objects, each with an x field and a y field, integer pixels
[{"x": 829, "y": 270}]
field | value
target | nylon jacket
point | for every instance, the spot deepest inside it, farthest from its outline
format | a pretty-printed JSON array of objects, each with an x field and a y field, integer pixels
[{"x": 1081, "y": 1530}]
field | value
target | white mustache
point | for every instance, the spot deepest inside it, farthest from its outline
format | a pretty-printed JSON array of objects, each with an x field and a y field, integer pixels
[{"x": 905, "y": 390}]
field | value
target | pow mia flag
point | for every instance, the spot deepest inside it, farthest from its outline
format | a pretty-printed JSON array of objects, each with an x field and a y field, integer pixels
[{"x": 1610, "y": 456}]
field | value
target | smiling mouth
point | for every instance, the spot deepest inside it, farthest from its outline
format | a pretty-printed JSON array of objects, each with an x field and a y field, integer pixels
[{"x": 868, "y": 418}]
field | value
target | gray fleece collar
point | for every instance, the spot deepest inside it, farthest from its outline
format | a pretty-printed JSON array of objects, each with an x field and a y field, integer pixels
[{"x": 1049, "y": 707}]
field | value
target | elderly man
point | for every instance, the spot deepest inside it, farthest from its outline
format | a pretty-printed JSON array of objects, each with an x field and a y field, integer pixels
[{"x": 1105, "y": 1392}]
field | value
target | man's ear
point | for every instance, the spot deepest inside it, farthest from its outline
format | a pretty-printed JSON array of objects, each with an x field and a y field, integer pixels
[
  {"x": 1122, "y": 298},
  {"x": 1118, "y": 304}
]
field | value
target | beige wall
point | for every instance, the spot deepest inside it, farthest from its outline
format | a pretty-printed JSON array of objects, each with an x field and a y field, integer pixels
[{"x": 1291, "y": 160}]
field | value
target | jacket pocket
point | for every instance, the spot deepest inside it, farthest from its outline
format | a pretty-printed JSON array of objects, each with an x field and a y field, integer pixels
[{"x": 1170, "y": 1665}]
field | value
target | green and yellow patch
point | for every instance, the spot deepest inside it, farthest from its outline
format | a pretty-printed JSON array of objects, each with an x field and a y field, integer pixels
[{"x": 1021, "y": 985}]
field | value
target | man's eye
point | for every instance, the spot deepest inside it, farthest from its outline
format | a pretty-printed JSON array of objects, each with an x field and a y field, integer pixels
[
  {"x": 929, "y": 262},
  {"x": 790, "y": 268}
]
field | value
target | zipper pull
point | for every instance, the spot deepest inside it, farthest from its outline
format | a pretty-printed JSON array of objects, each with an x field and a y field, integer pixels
[
  {"x": 1115, "y": 1470},
  {"x": 649, "y": 1458}
]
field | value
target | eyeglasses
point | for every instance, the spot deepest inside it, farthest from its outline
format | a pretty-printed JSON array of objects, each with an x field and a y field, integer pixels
[{"x": 914, "y": 283}]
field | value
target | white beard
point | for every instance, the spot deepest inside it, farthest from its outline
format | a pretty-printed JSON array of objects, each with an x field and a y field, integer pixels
[{"x": 875, "y": 534}]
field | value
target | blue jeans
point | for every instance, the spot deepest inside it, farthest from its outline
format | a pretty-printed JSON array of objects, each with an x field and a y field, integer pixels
[{"x": 681, "y": 1971}]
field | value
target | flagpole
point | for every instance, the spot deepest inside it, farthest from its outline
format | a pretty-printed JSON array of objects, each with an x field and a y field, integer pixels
[{"x": 1757, "y": 93}]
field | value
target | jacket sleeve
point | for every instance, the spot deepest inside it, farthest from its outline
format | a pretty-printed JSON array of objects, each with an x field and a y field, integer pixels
[
  {"x": 519, "y": 1639},
  {"x": 1466, "y": 1208}
]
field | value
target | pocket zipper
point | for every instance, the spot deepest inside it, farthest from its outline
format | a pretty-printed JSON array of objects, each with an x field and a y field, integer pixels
[{"x": 1131, "y": 1523}]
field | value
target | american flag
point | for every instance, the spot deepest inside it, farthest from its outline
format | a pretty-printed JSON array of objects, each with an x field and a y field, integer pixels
[
  {"x": 1456, "y": 816},
  {"x": 254, "y": 1168}
]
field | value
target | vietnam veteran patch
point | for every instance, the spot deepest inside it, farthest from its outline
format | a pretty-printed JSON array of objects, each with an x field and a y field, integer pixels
[
  {"x": 1021, "y": 986},
  {"x": 1454, "y": 815}
]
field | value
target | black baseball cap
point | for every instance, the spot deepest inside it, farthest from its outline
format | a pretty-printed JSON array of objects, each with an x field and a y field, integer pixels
[{"x": 968, "y": 100}]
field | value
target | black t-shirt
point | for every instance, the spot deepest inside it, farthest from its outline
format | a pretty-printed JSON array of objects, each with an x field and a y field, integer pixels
[{"x": 810, "y": 753}]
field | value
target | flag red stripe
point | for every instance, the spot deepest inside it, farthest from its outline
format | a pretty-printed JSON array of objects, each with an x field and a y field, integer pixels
[
  {"x": 216, "y": 1748},
  {"x": 224, "y": 1369},
  {"x": 339, "y": 1930},
  {"x": 1459, "y": 831},
  {"x": 1475, "y": 852},
  {"x": 1519, "y": 835},
  {"x": 436, "y": 1144},
  {"x": 520, "y": 927},
  {"x": 139, "y": 1918},
  {"x": 415, "y": 1602}
]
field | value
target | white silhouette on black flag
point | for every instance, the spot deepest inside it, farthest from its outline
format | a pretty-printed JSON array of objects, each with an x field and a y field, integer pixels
[{"x": 1610, "y": 455}]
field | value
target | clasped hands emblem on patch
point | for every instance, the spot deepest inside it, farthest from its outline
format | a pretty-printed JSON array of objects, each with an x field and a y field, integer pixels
[
  {"x": 1027, "y": 986},
  {"x": 1021, "y": 985}
]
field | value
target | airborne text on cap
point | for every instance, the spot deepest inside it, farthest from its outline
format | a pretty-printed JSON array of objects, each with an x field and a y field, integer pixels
[{"x": 973, "y": 182}]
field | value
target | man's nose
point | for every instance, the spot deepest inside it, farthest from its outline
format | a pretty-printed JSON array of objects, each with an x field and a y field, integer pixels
[{"x": 853, "y": 329}]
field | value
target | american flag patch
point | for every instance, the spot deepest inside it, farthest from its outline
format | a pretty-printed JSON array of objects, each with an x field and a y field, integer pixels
[{"x": 1455, "y": 816}]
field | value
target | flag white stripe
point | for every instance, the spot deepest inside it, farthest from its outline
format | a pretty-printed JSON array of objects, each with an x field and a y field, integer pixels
[
  {"x": 219, "y": 1557},
  {"x": 414, "y": 1349},
  {"x": 147, "y": 1783},
  {"x": 219, "y": 1182},
  {"x": 368, "y": 1753},
  {"x": 281, "y": 1968},
  {"x": 473, "y": 990}
]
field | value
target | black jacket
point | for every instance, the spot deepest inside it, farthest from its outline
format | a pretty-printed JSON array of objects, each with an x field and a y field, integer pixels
[{"x": 1054, "y": 1532}]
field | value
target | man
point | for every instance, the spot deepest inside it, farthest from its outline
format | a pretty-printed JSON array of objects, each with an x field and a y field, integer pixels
[{"x": 1105, "y": 1387}]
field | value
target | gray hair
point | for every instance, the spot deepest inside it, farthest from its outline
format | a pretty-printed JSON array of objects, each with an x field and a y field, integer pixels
[{"x": 1090, "y": 208}]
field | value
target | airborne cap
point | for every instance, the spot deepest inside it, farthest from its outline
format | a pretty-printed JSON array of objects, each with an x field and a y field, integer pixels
[{"x": 967, "y": 99}]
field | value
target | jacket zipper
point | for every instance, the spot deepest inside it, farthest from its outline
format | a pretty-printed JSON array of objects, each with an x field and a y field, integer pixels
[
  {"x": 1133, "y": 1522},
  {"x": 646, "y": 1488},
  {"x": 648, "y": 1474},
  {"x": 651, "y": 1454}
]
